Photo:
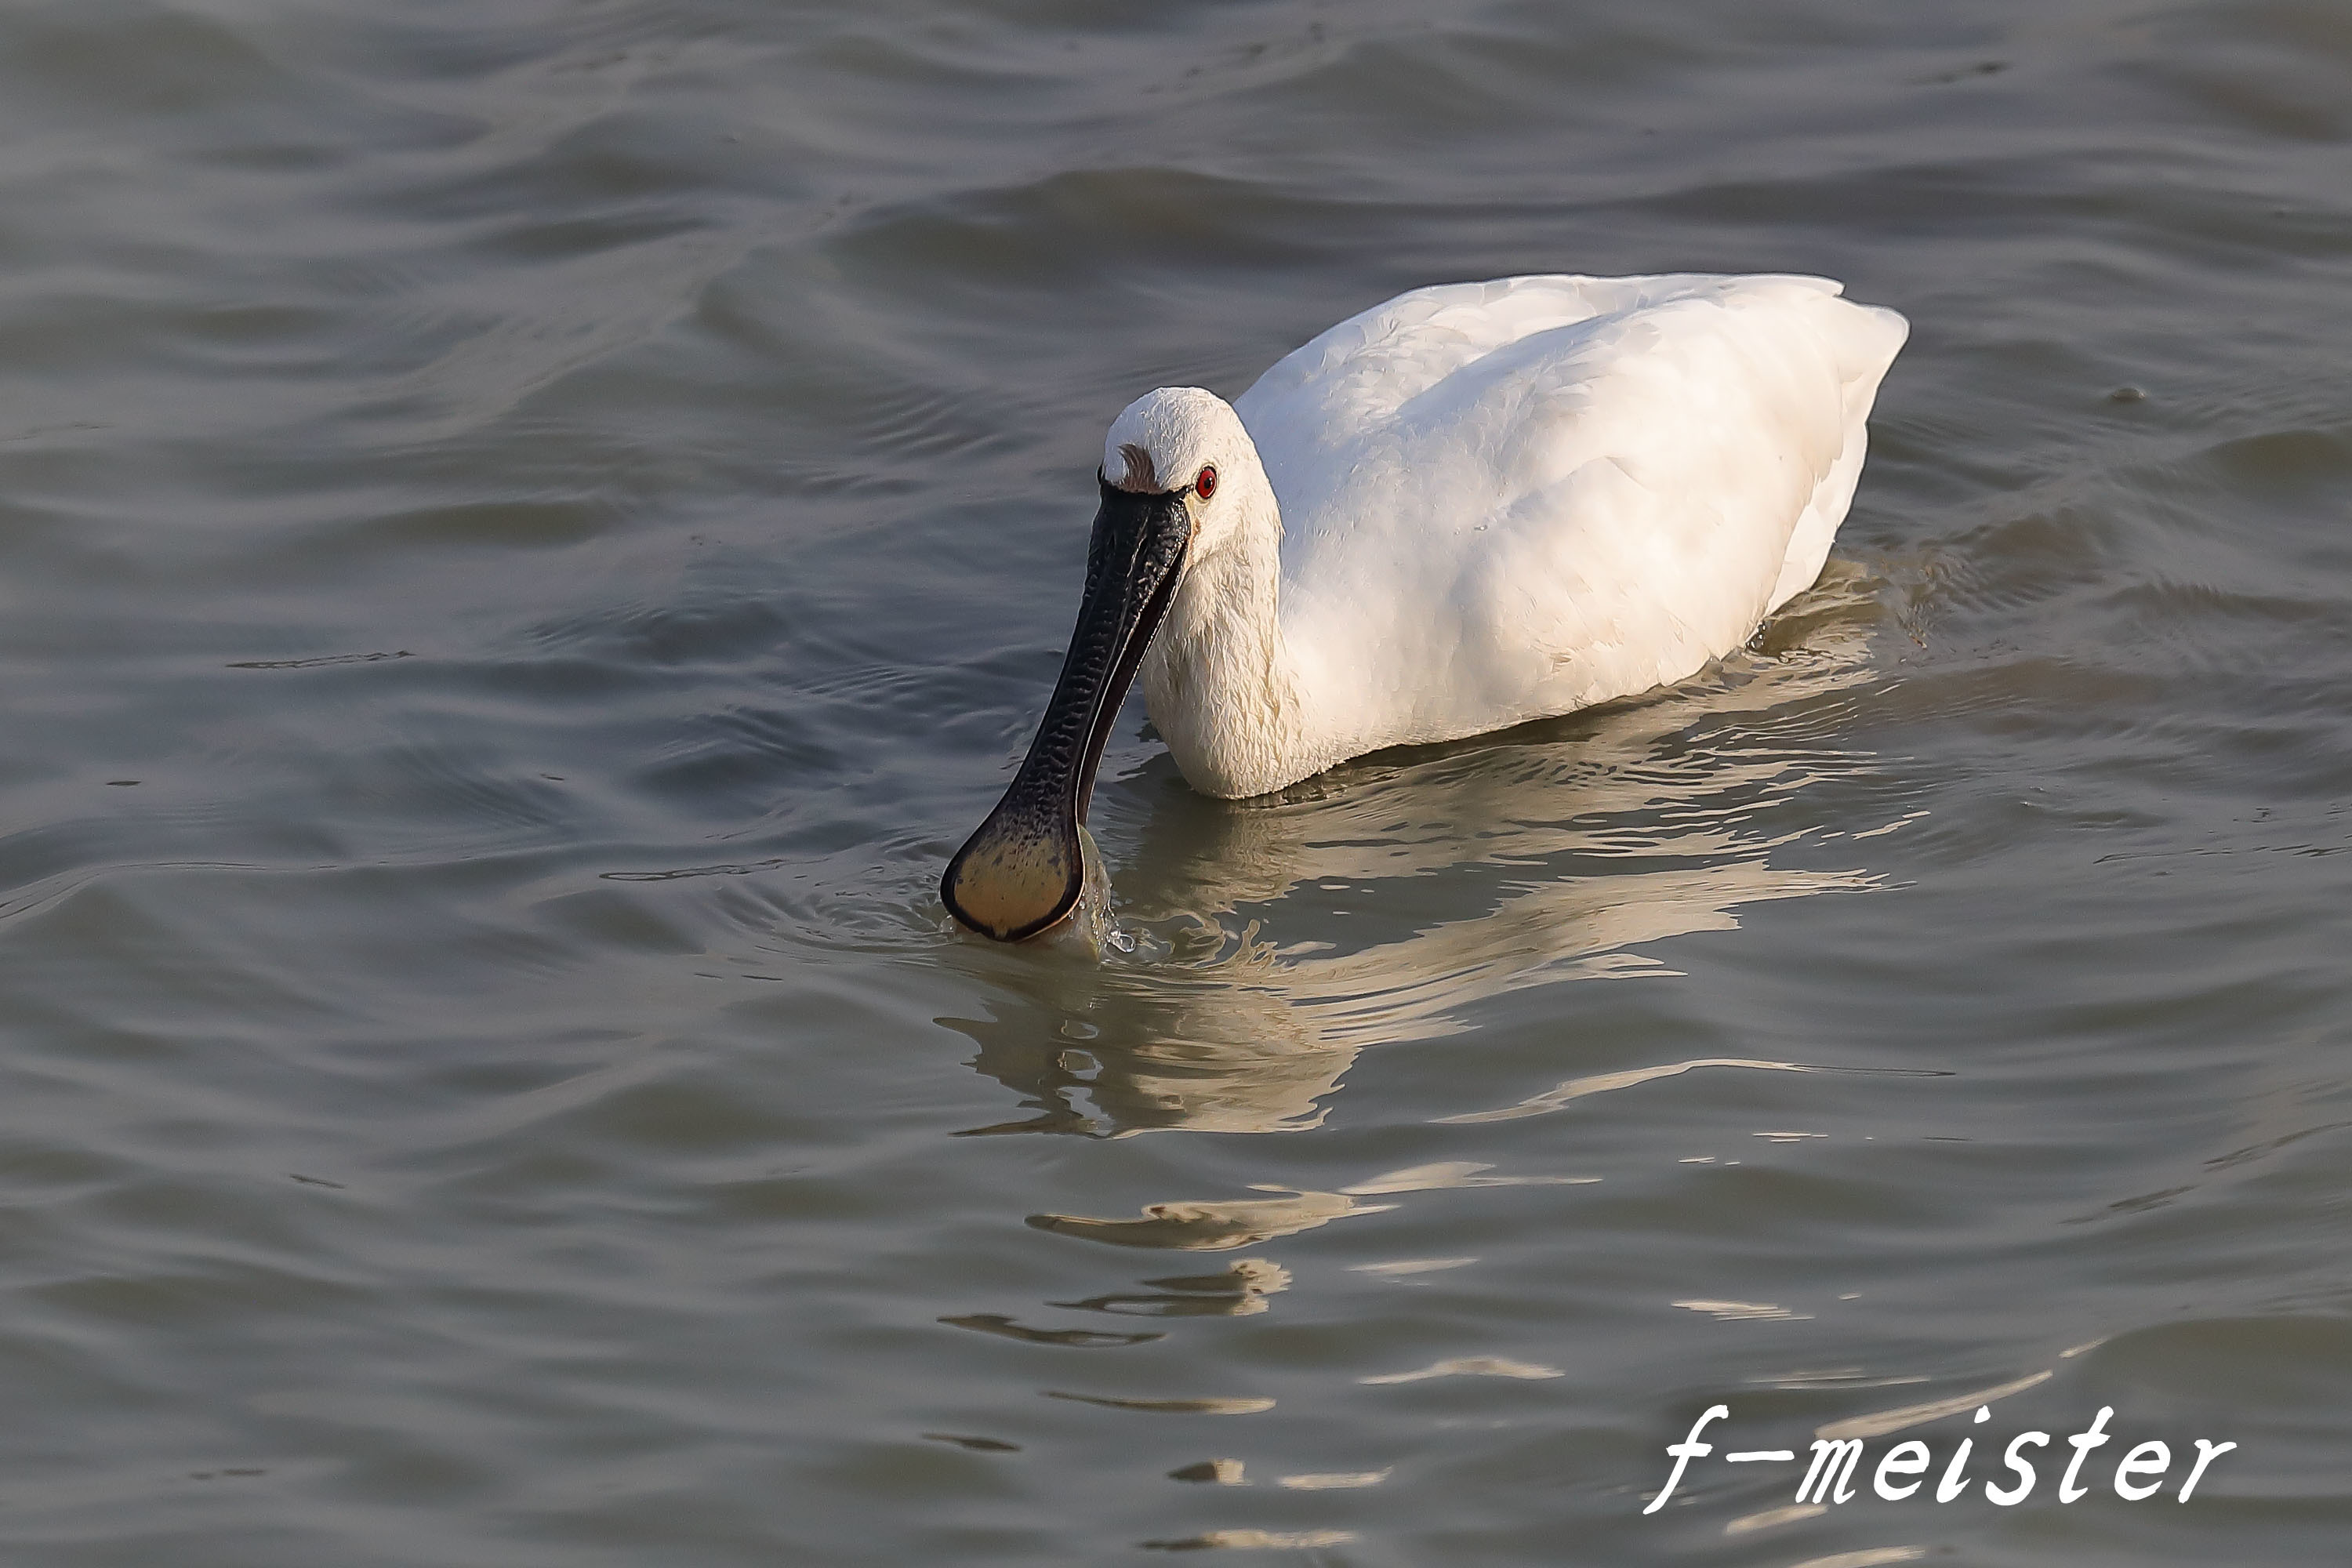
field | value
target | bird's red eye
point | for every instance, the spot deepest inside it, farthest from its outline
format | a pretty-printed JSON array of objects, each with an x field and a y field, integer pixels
[{"x": 1206, "y": 485}]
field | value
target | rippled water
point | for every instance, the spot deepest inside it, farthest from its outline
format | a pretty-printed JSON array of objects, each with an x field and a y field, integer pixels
[{"x": 529, "y": 531}]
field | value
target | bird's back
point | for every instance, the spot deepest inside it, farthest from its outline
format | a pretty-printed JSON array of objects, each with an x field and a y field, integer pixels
[{"x": 1509, "y": 499}]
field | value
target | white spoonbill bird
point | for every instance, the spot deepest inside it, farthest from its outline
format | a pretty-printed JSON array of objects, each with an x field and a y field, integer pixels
[{"x": 1475, "y": 505}]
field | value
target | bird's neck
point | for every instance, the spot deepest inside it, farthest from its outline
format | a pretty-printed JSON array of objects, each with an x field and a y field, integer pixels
[{"x": 1221, "y": 684}]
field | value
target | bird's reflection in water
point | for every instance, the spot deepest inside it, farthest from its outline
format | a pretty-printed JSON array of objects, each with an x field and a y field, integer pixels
[
  {"x": 1387, "y": 900},
  {"x": 1382, "y": 903},
  {"x": 1241, "y": 1292}
]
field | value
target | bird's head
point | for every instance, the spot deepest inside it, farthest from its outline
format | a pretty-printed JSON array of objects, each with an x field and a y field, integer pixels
[
  {"x": 1166, "y": 501},
  {"x": 1183, "y": 442}
]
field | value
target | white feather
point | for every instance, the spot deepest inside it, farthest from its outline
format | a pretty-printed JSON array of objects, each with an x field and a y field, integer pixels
[{"x": 1484, "y": 503}]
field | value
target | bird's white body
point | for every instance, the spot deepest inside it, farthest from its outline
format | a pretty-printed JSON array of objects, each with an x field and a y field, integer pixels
[{"x": 1484, "y": 503}]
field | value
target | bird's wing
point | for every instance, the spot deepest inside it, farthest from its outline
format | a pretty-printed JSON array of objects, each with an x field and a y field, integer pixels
[
  {"x": 1323, "y": 398},
  {"x": 1509, "y": 499}
]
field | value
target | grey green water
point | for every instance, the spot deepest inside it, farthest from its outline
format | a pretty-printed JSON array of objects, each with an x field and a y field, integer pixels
[{"x": 530, "y": 530}]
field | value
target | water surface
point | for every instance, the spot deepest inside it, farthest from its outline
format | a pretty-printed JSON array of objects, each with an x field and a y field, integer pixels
[{"x": 529, "y": 530}]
